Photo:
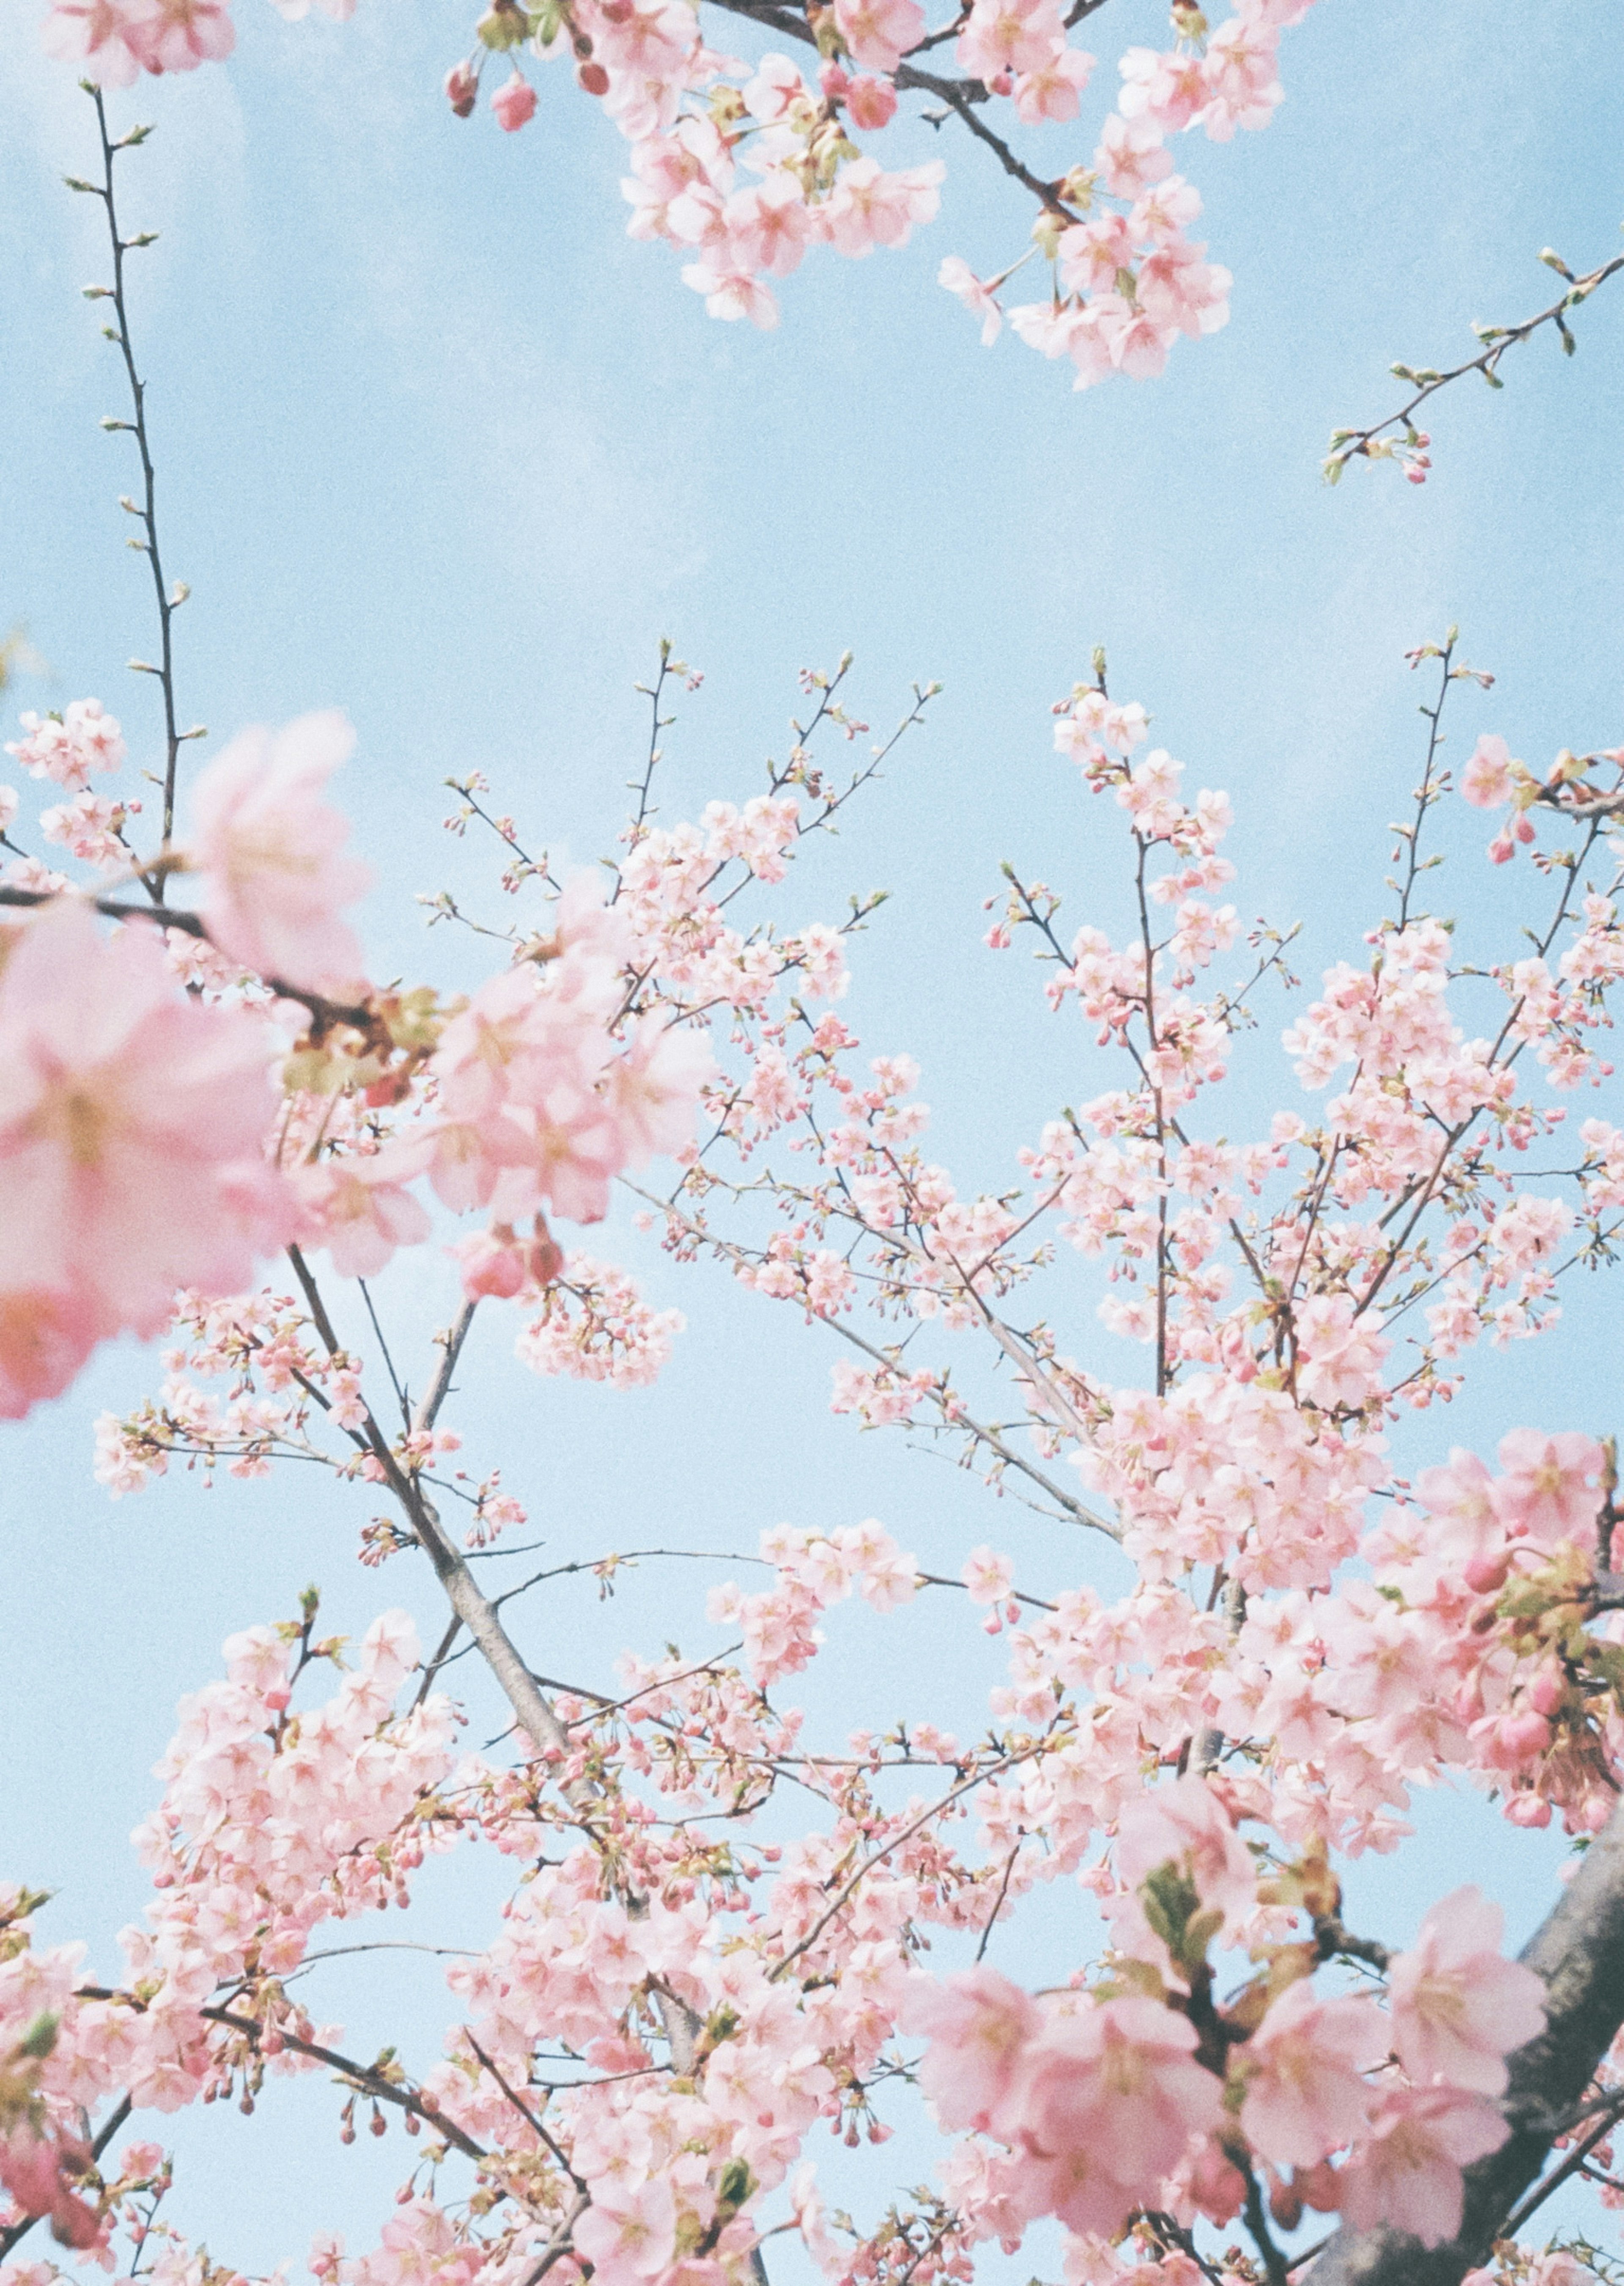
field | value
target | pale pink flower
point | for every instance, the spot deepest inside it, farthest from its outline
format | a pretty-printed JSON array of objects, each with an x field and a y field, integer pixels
[
  {"x": 978, "y": 2025},
  {"x": 67, "y": 747},
  {"x": 361, "y": 1211},
  {"x": 1407, "y": 2175},
  {"x": 879, "y": 33},
  {"x": 988, "y": 1575},
  {"x": 1458, "y": 2008},
  {"x": 629, "y": 2232},
  {"x": 957, "y": 275},
  {"x": 132, "y": 1123},
  {"x": 1305, "y": 2093},
  {"x": 1164, "y": 212},
  {"x": 869, "y": 208},
  {"x": 1549, "y": 1491},
  {"x": 1242, "y": 89},
  {"x": 1340, "y": 1355},
  {"x": 1131, "y": 156},
  {"x": 1136, "y": 343},
  {"x": 270, "y": 851},
  {"x": 1182, "y": 293},
  {"x": 1186, "y": 1824},
  {"x": 1050, "y": 90},
  {"x": 806, "y": 2206},
  {"x": 1108, "y": 2098},
  {"x": 1009, "y": 35},
  {"x": 872, "y": 103},
  {"x": 652, "y": 1088},
  {"x": 768, "y": 228},
  {"x": 1486, "y": 780},
  {"x": 733, "y": 294},
  {"x": 1169, "y": 90},
  {"x": 179, "y": 34},
  {"x": 492, "y": 1262},
  {"x": 778, "y": 86},
  {"x": 100, "y": 38}
]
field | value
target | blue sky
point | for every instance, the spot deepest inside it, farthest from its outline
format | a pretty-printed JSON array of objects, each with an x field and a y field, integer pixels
[{"x": 436, "y": 443}]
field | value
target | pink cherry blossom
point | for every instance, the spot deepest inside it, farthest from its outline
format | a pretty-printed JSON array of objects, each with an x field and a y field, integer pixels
[
  {"x": 1407, "y": 2175},
  {"x": 1009, "y": 35},
  {"x": 1106, "y": 2101},
  {"x": 132, "y": 1127},
  {"x": 871, "y": 102},
  {"x": 988, "y": 1575},
  {"x": 179, "y": 34},
  {"x": 869, "y": 208},
  {"x": 879, "y": 33},
  {"x": 778, "y": 86},
  {"x": 361, "y": 1211},
  {"x": 269, "y": 849},
  {"x": 979, "y": 2026},
  {"x": 1131, "y": 156},
  {"x": 957, "y": 275},
  {"x": 1186, "y": 1824},
  {"x": 1052, "y": 89},
  {"x": 1458, "y": 2008},
  {"x": 1548, "y": 1489},
  {"x": 1486, "y": 779},
  {"x": 1307, "y": 2095},
  {"x": 84, "y": 738},
  {"x": 105, "y": 40}
]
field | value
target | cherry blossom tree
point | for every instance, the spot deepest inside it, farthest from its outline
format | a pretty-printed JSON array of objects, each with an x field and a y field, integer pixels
[{"x": 713, "y": 1952}]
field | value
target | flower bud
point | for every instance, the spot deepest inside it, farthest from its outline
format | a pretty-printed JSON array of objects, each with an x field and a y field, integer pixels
[
  {"x": 1548, "y": 1691},
  {"x": 461, "y": 90},
  {"x": 592, "y": 78},
  {"x": 514, "y": 104},
  {"x": 871, "y": 102},
  {"x": 1523, "y": 1734}
]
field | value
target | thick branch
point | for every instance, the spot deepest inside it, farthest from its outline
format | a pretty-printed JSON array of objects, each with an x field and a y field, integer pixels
[{"x": 1578, "y": 1951}]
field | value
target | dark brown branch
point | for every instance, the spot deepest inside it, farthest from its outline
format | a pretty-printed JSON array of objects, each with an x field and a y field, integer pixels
[{"x": 1354, "y": 444}]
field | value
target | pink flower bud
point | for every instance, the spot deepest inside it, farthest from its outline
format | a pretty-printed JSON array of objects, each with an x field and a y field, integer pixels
[
  {"x": 514, "y": 104},
  {"x": 1523, "y": 1734},
  {"x": 1483, "y": 1574},
  {"x": 1547, "y": 1691},
  {"x": 592, "y": 78},
  {"x": 461, "y": 90},
  {"x": 1527, "y": 1809},
  {"x": 871, "y": 102},
  {"x": 833, "y": 81}
]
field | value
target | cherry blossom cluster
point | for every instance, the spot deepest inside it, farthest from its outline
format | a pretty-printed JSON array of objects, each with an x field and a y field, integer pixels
[
  {"x": 1139, "y": 2091},
  {"x": 271, "y": 1821},
  {"x": 742, "y": 167},
  {"x": 165, "y": 1137}
]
